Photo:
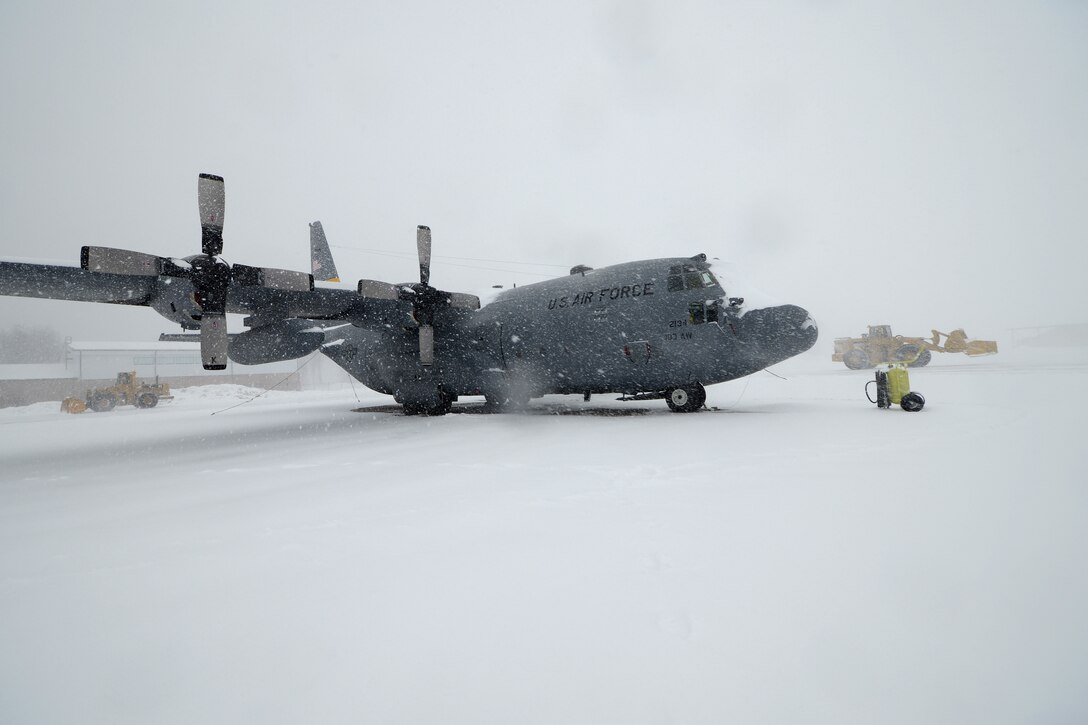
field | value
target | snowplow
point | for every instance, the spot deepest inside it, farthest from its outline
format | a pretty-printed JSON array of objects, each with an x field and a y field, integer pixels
[
  {"x": 879, "y": 346},
  {"x": 127, "y": 391}
]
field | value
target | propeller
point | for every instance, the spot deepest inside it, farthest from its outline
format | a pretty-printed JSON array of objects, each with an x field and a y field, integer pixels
[
  {"x": 425, "y": 299},
  {"x": 210, "y": 276}
]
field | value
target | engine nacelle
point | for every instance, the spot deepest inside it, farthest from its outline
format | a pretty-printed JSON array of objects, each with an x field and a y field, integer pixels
[{"x": 285, "y": 340}]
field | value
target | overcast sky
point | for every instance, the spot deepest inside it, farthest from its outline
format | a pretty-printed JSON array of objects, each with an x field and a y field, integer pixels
[{"x": 922, "y": 164}]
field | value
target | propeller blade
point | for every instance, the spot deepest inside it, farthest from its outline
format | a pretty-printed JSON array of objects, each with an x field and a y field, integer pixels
[
  {"x": 119, "y": 261},
  {"x": 321, "y": 262},
  {"x": 213, "y": 341},
  {"x": 246, "y": 276},
  {"x": 282, "y": 279},
  {"x": 426, "y": 344},
  {"x": 378, "y": 290},
  {"x": 463, "y": 301},
  {"x": 423, "y": 248},
  {"x": 211, "y": 199},
  {"x": 286, "y": 279}
]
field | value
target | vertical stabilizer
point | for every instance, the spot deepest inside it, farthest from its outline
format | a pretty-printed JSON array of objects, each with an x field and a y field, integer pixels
[{"x": 321, "y": 263}]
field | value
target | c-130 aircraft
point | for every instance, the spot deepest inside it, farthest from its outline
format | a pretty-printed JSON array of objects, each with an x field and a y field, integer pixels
[{"x": 651, "y": 329}]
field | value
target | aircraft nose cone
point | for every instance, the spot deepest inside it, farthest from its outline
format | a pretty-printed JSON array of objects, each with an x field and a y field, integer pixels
[
  {"x": 782, "y": 332},
  {"x": 797, "y": 330}
]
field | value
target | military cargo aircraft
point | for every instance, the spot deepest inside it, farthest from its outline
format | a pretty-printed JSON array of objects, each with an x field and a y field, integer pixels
[{"x": 652, "y": 329}]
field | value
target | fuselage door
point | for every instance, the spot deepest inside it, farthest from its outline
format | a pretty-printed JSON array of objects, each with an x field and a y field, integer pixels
[{"x": 638, "y": 352}]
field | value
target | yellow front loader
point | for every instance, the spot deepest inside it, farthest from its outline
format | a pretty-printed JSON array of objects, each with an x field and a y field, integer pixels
[
  {"x": 127, "y": 391},
  {"x": 879, "y": 346}
]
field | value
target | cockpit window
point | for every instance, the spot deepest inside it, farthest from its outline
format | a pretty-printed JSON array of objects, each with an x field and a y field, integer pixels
[{"x": 687, "y": 276}]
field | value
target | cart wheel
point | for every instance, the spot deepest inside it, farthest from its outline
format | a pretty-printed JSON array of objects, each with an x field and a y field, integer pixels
[{"x": 912, "y": 402}]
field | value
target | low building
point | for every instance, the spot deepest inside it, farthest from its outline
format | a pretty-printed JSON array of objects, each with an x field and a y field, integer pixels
[{"x": 94, "y": 364}]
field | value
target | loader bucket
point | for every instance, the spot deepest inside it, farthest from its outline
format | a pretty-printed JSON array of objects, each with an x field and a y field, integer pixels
[
  {"x": 956, "y": 341},
  {"x": 981, "y": 347}
]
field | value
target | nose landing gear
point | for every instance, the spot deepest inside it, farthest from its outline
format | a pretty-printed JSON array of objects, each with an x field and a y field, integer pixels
[
  {"x": 683, "y": 399},
  {"x": 686, "y": 399}
]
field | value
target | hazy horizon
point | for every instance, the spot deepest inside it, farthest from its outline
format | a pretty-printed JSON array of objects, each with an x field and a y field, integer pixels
[{"x": 921, "y": 166}]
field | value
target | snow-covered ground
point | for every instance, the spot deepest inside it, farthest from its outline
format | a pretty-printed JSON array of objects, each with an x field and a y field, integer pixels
[{"x": 793, "y": 555}]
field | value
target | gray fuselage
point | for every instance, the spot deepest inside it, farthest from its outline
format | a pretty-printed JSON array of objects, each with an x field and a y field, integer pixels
[{"x": 630, "y": 328}]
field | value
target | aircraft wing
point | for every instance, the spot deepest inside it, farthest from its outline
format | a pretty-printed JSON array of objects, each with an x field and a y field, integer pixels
[
  {"x": 199, "y": 290},
  {"x": 319, "y": 303},
  {"x": 57, "y": 282}
]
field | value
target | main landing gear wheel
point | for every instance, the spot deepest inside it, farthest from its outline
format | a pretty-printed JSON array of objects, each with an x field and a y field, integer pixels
[
  {"x": 506, "y": 402},
  {"x": 442, "y": 407},
  {"x": 686, "y": 399}
]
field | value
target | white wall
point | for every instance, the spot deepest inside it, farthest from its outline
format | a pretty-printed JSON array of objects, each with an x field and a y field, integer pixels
[{"x": 150, "y": 363}]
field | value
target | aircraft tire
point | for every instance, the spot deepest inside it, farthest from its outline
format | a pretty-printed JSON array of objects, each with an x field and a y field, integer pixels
[
  {"x": 856, "y": 360},
  {"x": 506, "y": 402},
  {"x": 443, "y": 406},
  {"x": 686, "y": 399}
]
